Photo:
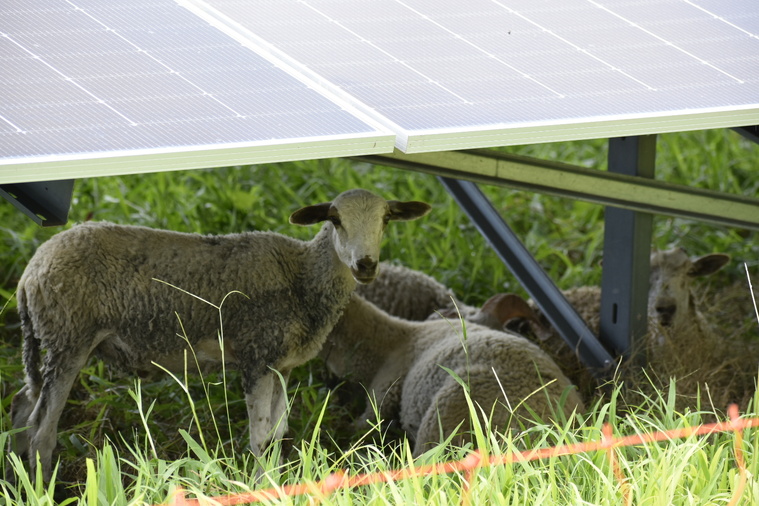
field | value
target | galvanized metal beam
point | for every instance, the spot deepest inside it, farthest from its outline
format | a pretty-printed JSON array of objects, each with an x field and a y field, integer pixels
[
  {"x": 627, "y": 248},
  {"x": 749, "y": 132},
  {"x": 592, "y": 185},
  {"x": 45, "y": 202},
  {"x": 528, "y": 272}
]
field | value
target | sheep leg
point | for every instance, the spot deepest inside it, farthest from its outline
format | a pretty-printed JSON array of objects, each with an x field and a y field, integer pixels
[
  {"x": 259, "y": 399},
  {"x": 279, "y": 407},
  {"x": 21, "y": 409},
  {"x": 59, "y": 373}
]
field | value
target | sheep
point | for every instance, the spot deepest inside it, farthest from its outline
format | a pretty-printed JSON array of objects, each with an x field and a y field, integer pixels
[
  {"x": 93, "y": 289},
  {"x": 401, "y": 362},
  {"x": 416, "y": 296},
  {"x": 408, "y": 294},
  {"x": 671, "y": 299},
  {"x": 671, "y": 305}
]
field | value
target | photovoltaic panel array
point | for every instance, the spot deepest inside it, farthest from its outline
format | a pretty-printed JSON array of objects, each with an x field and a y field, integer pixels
[
  {"x": 117, "y": 86},
  {"x": 94, "y": 87},
  {"x": 447, "y": 74}
]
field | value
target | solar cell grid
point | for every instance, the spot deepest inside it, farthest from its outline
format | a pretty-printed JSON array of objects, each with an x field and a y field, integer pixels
[
  {"x": 88, "y": 79},
  {"x": 441, "y": 74},
  {"x": 489, "y": 69}
]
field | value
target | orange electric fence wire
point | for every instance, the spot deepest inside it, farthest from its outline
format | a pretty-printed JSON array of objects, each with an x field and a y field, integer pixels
[{"x": 475, "y": 460}]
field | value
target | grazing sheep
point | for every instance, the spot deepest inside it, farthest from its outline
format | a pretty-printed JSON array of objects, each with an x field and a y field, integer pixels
[
  {"x": 93, "y": 290},
  {"x": 399, "y": 363}
]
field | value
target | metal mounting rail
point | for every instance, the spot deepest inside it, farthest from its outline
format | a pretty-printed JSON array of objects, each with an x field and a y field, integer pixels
[{"x": 592, "y": 185}]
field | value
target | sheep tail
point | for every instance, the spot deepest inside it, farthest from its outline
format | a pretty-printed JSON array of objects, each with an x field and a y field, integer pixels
[{"x": 31, "y": 355}]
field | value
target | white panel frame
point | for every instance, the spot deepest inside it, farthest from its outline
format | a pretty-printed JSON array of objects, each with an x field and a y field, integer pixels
[
  {"x": 424, "y": 141},
  {"x": 54, "y": 168}
]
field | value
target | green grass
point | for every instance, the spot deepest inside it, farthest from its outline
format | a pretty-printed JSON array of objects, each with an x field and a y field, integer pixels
[
  {"x": 123, "y": 443},
  {"x": 695, "y": 470}
]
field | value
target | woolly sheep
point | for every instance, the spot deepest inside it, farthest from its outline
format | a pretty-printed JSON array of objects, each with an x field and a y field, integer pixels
[
  {"x": 399, "y": 362},
  {"x": 671, "y": 305},
  {"x": 416, "y": 296},
  {"x": 671, "y": 298},
  {"x": 93, "y": 290}
]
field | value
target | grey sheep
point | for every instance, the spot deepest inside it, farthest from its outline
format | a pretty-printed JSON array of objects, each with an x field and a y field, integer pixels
[
  {"x": 93, "y": 290},
  {"x": 671, "y": 297},
  {"x": 416, "y": 296},
  {"x": 399, "y": 363},
  {"x": 672, "y": 308}
]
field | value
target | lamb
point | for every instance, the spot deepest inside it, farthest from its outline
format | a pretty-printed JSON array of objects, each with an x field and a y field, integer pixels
[
  {"x": 671, "y": 298},
  {"x": 93, "y": 290},
  {"x": 399, "y": 362},
  {"x": 672, "y": 301},
  {"x": 671, "y": 305},
  {"x": 414, "y": 295}
]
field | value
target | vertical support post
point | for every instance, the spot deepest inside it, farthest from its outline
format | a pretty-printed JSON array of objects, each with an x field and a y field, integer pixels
[{"x": 627, "y": 249}]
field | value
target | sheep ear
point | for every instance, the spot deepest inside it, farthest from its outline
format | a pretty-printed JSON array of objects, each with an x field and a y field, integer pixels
[
  {"x": 405, "y": 211},
  {"x": 506, "y": 307},
  {"x": 311, "y": 214},
  {"x": 708, "y": 264}
]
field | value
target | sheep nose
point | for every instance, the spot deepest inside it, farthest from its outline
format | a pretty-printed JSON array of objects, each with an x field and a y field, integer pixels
[
  {"x": 365, "y": 270},
  {"x": 666, "y": 314}
]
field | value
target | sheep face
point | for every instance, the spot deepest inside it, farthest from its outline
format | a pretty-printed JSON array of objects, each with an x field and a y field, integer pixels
[
  {"x": 359, "y": 218},
  {"x": 669, "y": 298}
]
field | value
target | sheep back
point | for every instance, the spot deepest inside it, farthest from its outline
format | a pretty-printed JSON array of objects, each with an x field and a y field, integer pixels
[
  {"x": 525, "y": 383},
  {"x": 406, "y": 293}
]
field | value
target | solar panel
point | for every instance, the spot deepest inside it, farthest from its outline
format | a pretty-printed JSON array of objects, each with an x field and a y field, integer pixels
[
  {"x": 99, "y": 87},
  {"x": 446, "y": 74},
  {"x": 93, "y": 87}
]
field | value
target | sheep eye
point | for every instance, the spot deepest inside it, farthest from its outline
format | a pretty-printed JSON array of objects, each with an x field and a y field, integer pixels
[
  {"x": 335, "y": 220},
  {"x": 386, "y": 219}
]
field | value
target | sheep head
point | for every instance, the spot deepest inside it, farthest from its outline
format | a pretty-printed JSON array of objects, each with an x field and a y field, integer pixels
[
  {"x": 358, "y": 219},
  {"x": 669, "y": 298}
]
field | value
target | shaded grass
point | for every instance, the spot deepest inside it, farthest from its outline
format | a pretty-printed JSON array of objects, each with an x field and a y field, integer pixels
[
  {"x": 695, "y": 470},
  {"x": 565, "y": 236}
]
